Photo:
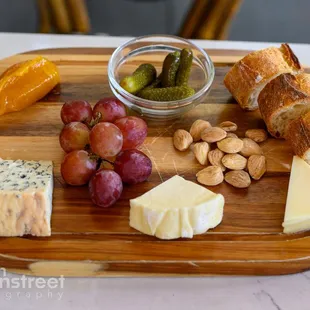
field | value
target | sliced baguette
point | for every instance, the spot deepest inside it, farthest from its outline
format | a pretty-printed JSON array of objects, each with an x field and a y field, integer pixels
[
  {"x": 298, "y": 135},
  {"x": 249, "y": 76},
  {"x": 283, "y": 100}
]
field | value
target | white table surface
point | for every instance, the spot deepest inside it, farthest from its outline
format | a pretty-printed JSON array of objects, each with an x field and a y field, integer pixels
[{"x": 242, "y": 293}]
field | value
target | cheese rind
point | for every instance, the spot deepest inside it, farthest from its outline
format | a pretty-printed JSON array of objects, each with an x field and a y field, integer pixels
[
  {"x": 290, "y": 228},
  {"x": 297, "y": 210},
  {"x": 26, "y": 189},
  {"x": 176, "y": 208}
]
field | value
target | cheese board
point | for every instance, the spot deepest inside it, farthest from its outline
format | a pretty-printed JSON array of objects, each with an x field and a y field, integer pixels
[{"x": 90, "y": 241}]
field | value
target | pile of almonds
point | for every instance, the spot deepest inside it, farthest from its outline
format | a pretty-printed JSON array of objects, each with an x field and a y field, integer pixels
[{"x": 224, "y": 150}]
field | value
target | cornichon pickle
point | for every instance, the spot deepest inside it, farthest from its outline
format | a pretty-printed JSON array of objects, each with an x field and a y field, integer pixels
[
  {"x": 143, "y": 76},
  {"x": 167, "y": 94},
  {"x": 156, "y": 83},
  {"x": 186, "y": 60},
  {"x": 170, "y": 68}
]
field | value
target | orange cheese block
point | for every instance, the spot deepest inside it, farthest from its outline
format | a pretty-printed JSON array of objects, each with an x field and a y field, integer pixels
[{"x": 24, "y": 83}]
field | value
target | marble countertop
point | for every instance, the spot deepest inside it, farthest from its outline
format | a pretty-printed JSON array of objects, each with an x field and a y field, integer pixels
[
  {"x": 12, "y": 43},
  {"x": 242, "y": 293}
]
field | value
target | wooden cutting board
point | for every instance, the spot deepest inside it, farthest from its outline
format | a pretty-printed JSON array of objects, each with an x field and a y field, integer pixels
[{"x": 90, "y": 241}]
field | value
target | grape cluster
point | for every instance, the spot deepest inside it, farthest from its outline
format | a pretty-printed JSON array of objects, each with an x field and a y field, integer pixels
[{"x": 101, "y": 144}]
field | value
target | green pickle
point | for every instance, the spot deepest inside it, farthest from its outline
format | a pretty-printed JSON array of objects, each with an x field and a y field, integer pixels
[
  {"x": 167, "y": 94},
  {"x": 170, "y": 69},
  {"x": 155, "y": 84},
  {"x": 143, "y": 76},
  {"x": 170, "y": 85},
  {"x": 186, "y": 60}
]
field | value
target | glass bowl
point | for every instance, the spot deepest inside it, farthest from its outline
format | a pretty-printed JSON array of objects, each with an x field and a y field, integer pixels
[{"x": 153, "y": 49}]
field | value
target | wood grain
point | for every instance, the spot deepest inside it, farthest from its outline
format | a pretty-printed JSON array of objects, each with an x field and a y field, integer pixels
[{"x": 90, "y": 241}]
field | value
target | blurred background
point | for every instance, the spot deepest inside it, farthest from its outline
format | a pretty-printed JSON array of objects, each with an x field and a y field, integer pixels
[{"x": 243, "y": 20}]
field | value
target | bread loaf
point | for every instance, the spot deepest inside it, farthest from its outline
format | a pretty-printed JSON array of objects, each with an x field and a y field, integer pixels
[
  {"x": 298, "y": 135},
  {"x": 283, "y": 100},
  {"x": 249, "y": 76}
]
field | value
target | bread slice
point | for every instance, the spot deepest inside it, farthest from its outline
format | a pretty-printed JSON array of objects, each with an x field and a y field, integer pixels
[
  {"x": 249, "y": 76},
  {"x": 298, "y": 135},
  {"x": 283, "y": 100}
]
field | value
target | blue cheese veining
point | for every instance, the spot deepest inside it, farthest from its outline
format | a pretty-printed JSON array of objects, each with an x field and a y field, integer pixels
[{"x": 26, "y": 190}]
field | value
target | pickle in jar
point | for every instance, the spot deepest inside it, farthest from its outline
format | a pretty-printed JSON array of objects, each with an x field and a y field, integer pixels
[
  {"x": 186, "y": 61},
  {"x": 167, "y": 93},
  {"x": 170, "y": 69},
  {"x": 144, "y": 75},
  {"x": 155, "y": 84}
]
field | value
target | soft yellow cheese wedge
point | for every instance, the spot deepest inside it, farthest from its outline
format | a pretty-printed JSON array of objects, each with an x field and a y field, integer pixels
[
  {"x": 297, "y": 210},
  {"x": 176, "y": 208}
]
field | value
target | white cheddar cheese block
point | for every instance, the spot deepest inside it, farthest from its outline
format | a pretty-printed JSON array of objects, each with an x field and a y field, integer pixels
[
  {"x": 26, "y": 190},
  {"x": 176, "y": 208},
  {"x": 297, "y": 210}
]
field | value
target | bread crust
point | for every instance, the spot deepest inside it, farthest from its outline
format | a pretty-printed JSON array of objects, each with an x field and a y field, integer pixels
[
  {"x": 254, "y": 71},
  {"x": 298, "y": 135},
  {"x": 282, "y": 93}
]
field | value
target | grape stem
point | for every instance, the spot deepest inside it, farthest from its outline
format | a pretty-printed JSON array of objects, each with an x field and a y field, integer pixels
[
  {"x": 110, "y": 162},
  {"x": 96, "y": 120},
  {"x": 97, "y": 158},
  {"x": 99, "y": 163},
  {"x": 93, "y": 156},
  {"x": 87, "y": 148}
]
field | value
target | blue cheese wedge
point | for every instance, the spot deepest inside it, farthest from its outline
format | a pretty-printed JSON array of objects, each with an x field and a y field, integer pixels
[
  {"x": 176, "y": 208},
  {"x": 26, "y": 190}
]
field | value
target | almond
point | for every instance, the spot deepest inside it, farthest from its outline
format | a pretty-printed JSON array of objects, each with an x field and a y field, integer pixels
[
  {"x": 250, "y": 148},
  {"x": 182, "y": 140},
  {"x": 230, "y": 145},
  {"x": 231, "y": 135},
  {"x": 234, "y": 161},
  {"x": 238, "y": 178},
  {"x": 201, "y": 151},
  {"x": 215, "y": 158},
  {"x": 228, "y": 126},
  {"x": 257, "y": 135},
  {"x": 213, "y": 134},
  {"x": 210, "y": 176},
  {"x": 257, "y": 166},
  {"x": 197, "y": 128}
]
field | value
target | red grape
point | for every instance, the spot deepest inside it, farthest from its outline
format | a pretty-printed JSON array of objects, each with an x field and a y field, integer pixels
[
  {"x": 133, "y": 166},
  {"x": 105, "y": 188},
  {"x": 76, "y": 111},
  {"x": 106, "y": 140},
  {"x": 77, "y": 167},
  {"x": 134, "y": 130},
  {"x": 110, "y": 108},
  {"x": 74, "y": 136}
]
